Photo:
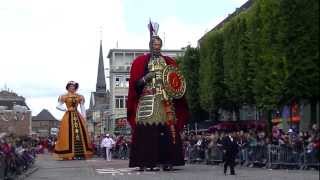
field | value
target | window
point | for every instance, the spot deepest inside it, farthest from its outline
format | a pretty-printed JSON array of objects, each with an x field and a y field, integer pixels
[
  {"x": 127, "y": 81},
  {"x": 129, "y": 57},
  {"x": 117, "y": 101},
  {"x": 126, "y": 101},
  {"x": 120, "y": 102},
  {"x": 118, "y": 81}
]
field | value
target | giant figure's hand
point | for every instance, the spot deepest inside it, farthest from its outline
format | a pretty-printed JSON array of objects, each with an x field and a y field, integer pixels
[{"x": 148, "y": 77}]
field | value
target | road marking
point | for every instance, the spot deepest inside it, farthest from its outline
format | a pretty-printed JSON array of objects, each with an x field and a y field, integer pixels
[
  {"x": 121, "y": 171},
  {"x": 113, "y": 171}
]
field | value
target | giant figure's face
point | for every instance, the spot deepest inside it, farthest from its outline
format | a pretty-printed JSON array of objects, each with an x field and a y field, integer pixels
[
  {"x": 72, "y": 88},
  {"x": 156, "y": 46}
]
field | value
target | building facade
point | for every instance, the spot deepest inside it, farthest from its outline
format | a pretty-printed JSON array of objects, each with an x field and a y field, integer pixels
[
  {"x": 15, "y": 115},
  {"x": 99, "y": 108},
  {"x": 120, "y": 61},
  {"x": 45, "y": 124}
]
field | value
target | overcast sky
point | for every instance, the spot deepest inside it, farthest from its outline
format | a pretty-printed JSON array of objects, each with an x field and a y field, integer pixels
[{"x": 46, "y": 43}]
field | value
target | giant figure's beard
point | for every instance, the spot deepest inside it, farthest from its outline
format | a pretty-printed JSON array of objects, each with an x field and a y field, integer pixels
[{"x": 156, "y": 53}]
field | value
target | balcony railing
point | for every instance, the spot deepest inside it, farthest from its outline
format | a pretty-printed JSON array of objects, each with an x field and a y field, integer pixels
[{"x": 120, "y": 69}]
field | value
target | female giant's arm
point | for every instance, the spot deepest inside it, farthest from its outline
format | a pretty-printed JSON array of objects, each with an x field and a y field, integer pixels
[
  {"x": 60, "y": 104},
  {"x": 82, "y": 107}
]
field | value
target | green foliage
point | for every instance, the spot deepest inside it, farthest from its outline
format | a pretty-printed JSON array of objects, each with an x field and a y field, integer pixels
[
  {"x": 211, "y": 86},
  {"x": 301, "y": 47},
  {"x": 266, "y": 56},
  {"x": 189, "y": 66}
]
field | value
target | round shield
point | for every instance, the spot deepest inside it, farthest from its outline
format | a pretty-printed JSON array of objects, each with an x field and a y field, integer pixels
[{"x": 173, "y": 81}]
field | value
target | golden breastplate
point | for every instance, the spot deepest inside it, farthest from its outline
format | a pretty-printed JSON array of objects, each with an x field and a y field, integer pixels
[
  {"x": 155, "y": 104},
  {"x": 150, "y": 108}
]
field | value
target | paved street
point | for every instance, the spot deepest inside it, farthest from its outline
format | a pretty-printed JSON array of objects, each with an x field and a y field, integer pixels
[{"x": 96, "y": 169}]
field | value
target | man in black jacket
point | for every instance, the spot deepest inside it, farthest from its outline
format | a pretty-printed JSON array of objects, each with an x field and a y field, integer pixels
[{"x": 230, "y": 149}]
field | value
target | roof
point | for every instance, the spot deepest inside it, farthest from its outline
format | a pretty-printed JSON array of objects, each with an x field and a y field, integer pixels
[
  {"x": 44, "y": 115},
  {"x": 101, "y": 80}
]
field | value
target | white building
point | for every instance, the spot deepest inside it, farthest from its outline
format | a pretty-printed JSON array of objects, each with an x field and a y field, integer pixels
[{"x": 120, "y": 63}]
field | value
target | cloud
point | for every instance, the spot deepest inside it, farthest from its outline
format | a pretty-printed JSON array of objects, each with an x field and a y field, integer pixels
[
  {"x": 176, "y": 33},
  {"x": 39, "y": 103},
  {"x": 46, "y": 43}
]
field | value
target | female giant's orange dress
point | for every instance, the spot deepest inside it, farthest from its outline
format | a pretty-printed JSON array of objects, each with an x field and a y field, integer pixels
[{"x": 73, "y": 140}]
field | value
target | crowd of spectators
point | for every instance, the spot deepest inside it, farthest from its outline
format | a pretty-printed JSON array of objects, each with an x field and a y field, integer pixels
[
  {"x": 253, "y": 143},
  {"x": 17, "y": 154}
]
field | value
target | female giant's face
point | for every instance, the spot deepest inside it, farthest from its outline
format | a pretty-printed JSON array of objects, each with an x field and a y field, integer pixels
[{"x": 72, "y": 88}]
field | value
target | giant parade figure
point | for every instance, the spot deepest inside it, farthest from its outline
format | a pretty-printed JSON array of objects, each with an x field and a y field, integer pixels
[
  {"x": 157, "y": 110},
  {"x": 73, "y": 140}
]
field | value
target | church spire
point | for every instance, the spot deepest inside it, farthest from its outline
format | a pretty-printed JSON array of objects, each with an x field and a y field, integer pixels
[{"x": 101, "y": 78}]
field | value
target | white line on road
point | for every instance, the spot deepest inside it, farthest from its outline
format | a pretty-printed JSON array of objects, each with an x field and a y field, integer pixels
[
  {"x": 114, "y": 171},
  {"x": 121, "y": 171}
]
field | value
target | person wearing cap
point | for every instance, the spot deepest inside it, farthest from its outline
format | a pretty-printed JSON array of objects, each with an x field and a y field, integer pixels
[
  {"x": 73, "y": 141},
  {"x": 156, "y": 116},
  {"x": 290, "y": 130},
  {"x": 108, "y": 144}
]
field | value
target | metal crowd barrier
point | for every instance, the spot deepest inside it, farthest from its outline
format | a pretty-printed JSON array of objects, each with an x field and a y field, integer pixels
[
  {"x": 214, "y": 155},
  {"x": 254, "y": 156},
  {"x": 285, "y": 156},
  {"x": 187, "y": 153},
  {"x": 270, "y": 156},
  {"x": 311, "y": 159},
  {"x": 196, "y": 154},
  {"x": 121, "y": 152}
]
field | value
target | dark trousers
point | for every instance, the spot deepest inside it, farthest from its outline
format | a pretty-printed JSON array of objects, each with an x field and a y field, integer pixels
[
  {"x": 231, "y": 163},
  {"x": 103, "y": 152}
]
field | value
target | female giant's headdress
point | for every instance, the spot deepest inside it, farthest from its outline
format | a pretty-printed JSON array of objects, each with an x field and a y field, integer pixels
[{"x": 76, "y": 85}]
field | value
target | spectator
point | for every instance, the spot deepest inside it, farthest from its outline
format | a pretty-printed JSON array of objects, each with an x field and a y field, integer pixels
[{"x": 108, "y": 143}]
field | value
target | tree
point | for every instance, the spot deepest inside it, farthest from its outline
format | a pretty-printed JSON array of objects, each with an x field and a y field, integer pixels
[
  {"x": 266, "y": 56},
  {"x": 300, "y": 30},
  {"x": 189, "y": 65},
  {"x": 232, "y": 66}
]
